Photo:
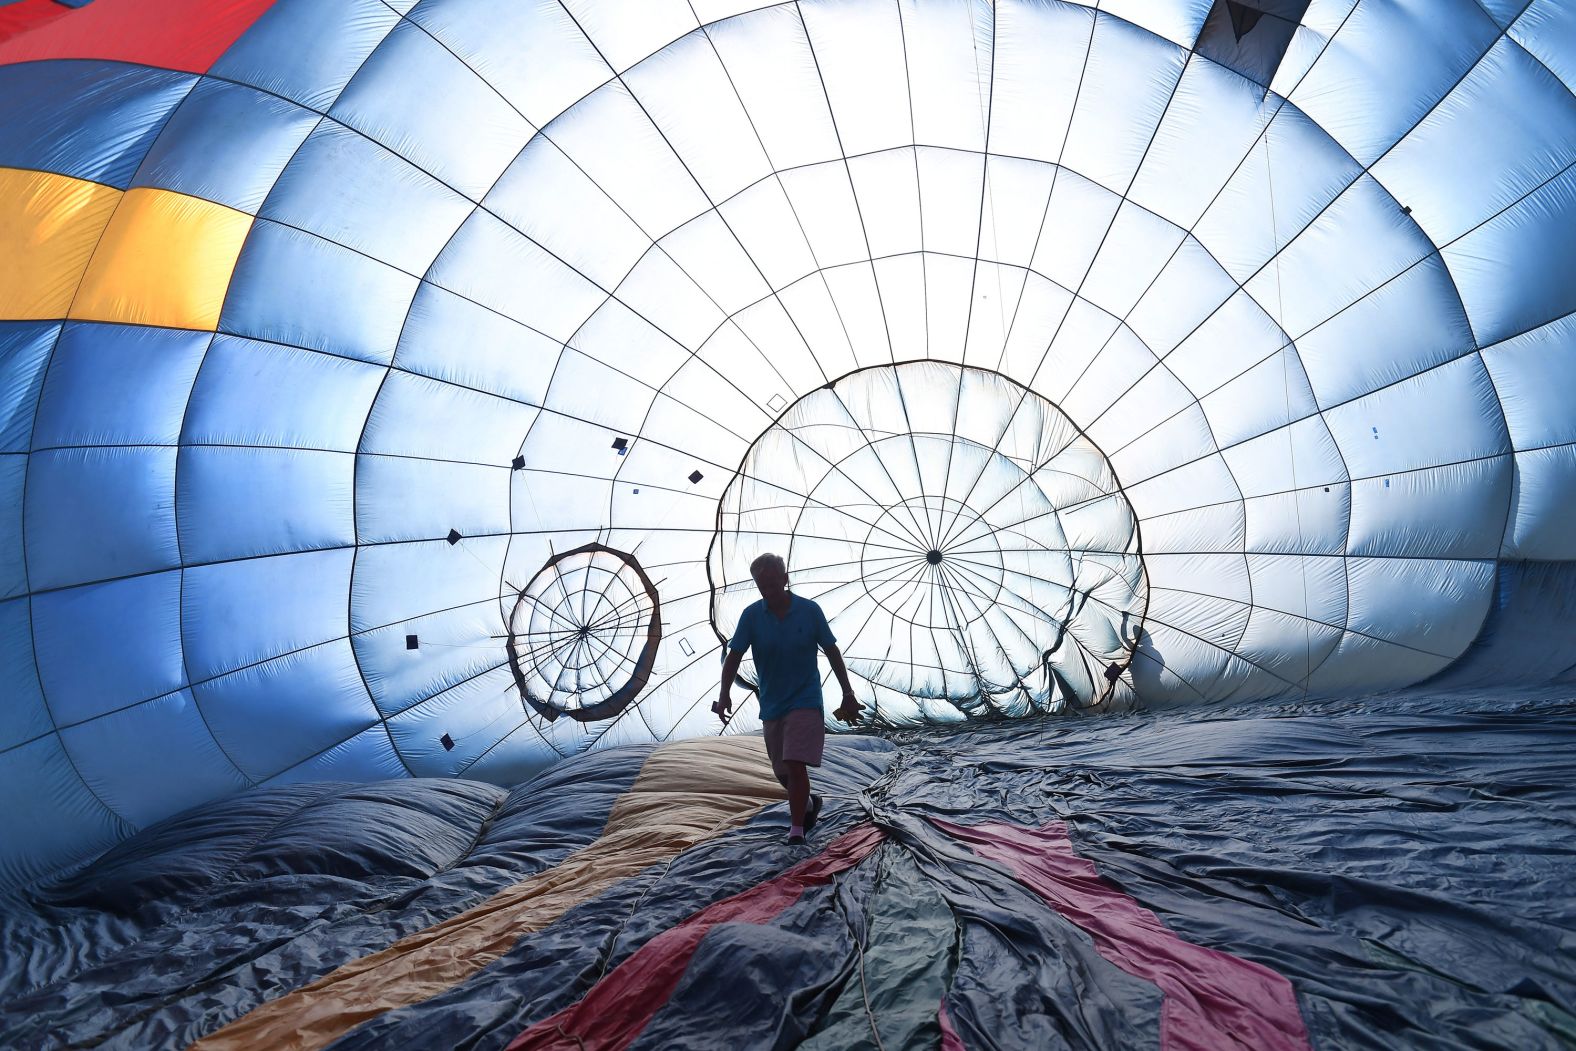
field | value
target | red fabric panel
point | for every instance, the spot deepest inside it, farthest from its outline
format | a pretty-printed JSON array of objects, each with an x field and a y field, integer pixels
[
  {"x": 1213, "y": 1000},
  {"x": 187, "y": 35},
  {"x": 950, "y": 1040},
  {"x": 619, "y": 1006}
]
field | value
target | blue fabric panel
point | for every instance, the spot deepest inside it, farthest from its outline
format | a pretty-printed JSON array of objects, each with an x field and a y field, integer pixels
[
  {"x": 226, "y": 143},
  {"x": 416, "y": 97},
  {"x": 89, "y": 119},
  {"x": 501, "y": 355},
  {"x": 276, "y": 714},
  {"x": 24, "y": 351},
  {"x": 1535, "y": 239},
  {"x": 106, "y": 646},
  {"x": 13, "y": 478},
  {"x": 254, "y": 393},
  {"x": 368, "y": 756},
  {"x": 474, "y": 713},
  {"x": 168, "y": 732},
  {"x": 241, "y": 613},
  {"x": 294, "y": 288},
  {"x": 118, "y": 385},
  {"x": 1525, "y": 633},
  {"x": 93, "y": 514},
  {"x": 344, "y": 187},
  {"x": 398, "y": 498},
  {"x": 420, "y": 417},
  {"x": 307, "y": 50},
  {"x": 237, "y": 503},
  {"x": 50, "y": 818},
  {"x": 22, "y": 714}
]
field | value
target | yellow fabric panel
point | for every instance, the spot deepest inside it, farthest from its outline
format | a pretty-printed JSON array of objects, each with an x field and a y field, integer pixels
[
  {"x": 686, "y": 793},
  {"x": 165, "y": 259},
  {"x": 49, "y": 225}
]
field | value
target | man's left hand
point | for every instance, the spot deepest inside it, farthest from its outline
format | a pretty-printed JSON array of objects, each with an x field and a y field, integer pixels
[{"x": 850, "y": 709}]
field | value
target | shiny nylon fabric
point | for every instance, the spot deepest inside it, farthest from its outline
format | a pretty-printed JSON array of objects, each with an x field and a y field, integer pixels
[
  {"x": 1388, "y": 866},
  {"x": 453, "y": 251}
]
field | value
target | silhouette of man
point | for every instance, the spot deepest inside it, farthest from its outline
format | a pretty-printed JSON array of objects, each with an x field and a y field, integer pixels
[{"x": 784, "y": 631}]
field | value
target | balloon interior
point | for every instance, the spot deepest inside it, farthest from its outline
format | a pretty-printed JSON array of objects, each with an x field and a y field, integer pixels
[{"x": 1169, "y": 404}]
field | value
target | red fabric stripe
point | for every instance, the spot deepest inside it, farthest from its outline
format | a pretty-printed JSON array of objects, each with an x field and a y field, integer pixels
[
  {"x": 619, "y": 1006},
  {"x": 950, "y": 1040},
  {"x": 1213, "y": 1000},
  {"x": 187, "y": 35}
]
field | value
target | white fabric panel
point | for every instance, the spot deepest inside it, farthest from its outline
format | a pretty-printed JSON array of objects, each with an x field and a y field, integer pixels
[
  {"x": 1040, "y": 58},
  {"x": 822, "y": 199},
  {"x": 1534, "y": 239},
  {"x": 1127, "y": 85},
  {"x": 769, "y": 65},
  {"x": 1072, "y": 226},
  {"x": 578, "y": 222},
  {"x": 688, "y": 96},
  {"x": 610, "y": 138},
  {"x": 1177, "y": 22},
  {"x": 715, "y": 261},
  {"x": 627, "y": 31},
  {"x": 1511, "y": 115},
  {"x": 493, "y": 265},
  {"x": 1456, "y": 511},
  {"x": 1366, "y": 99},
  {"x": 1545, "y": 505},
  {"x": 1136, "y": 247},
  {"x": 417, "y": 417},
  {"x": 532, "y": 53},
  {"x": 1384, "y": 605},
  {"x": 1212, "y": 124},
  {"x": 502, "y": 355},
  {"x": 948, "y": 50},
  {"x": 399, "y": 499},
  {"x": 679, "y": 313},
  {"x": 473, "y": 713},
  {"x": 857, "y": 48},
  {"x": 1533, "y": 376}
]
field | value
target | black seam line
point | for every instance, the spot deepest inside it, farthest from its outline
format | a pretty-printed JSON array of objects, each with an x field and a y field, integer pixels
[
  {"x": 1349, "y": 480},
  {"x": 864, "y": 232},
  {"x": 919, "y": 199},
  {"x": 974, "y": 273},
  {"x": 351, "y": 638},
  {"x": 1248, "y": 608},
  {"x": 43, "y": 694},
  {"x": 798, "y": 221},
  {"x": 355, "y": 487},
  {"x": 1290, "y": 343},
  {"x": 713, "y": 208}
]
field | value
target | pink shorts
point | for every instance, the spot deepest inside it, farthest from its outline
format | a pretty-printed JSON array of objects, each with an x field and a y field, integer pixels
[{"x": 798, "y": 737}]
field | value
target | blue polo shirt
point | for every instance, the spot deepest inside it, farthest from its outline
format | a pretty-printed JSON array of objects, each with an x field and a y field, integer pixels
[{"x": 784, "y": 652}]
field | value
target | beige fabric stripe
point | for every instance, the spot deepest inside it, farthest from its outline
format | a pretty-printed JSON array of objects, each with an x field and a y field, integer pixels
[{"x": 686, "y": 792}]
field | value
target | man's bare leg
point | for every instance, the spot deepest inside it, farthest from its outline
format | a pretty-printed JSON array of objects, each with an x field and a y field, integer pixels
[{"x": 798, "y": 785}]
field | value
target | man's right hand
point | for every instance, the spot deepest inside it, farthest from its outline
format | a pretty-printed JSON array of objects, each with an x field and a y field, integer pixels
[{"x": 723, "y": 707}]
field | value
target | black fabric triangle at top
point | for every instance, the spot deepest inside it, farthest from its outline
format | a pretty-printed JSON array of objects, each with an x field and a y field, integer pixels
[
  {"x": 1250, "y": 36},
  {"x": 1243, "y": 18}
]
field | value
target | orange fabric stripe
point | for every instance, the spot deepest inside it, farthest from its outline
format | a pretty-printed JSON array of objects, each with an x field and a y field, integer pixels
[
  {"x": 686, "y": 793},
  {"x": 49, "y": 226}
]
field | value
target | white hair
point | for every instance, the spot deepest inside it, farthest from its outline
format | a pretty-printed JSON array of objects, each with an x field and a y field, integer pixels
[{"x": 768, "y": 559}]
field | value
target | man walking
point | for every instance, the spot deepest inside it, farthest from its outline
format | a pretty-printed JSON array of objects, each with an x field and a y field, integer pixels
[{"x": 784, "y": 631}]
